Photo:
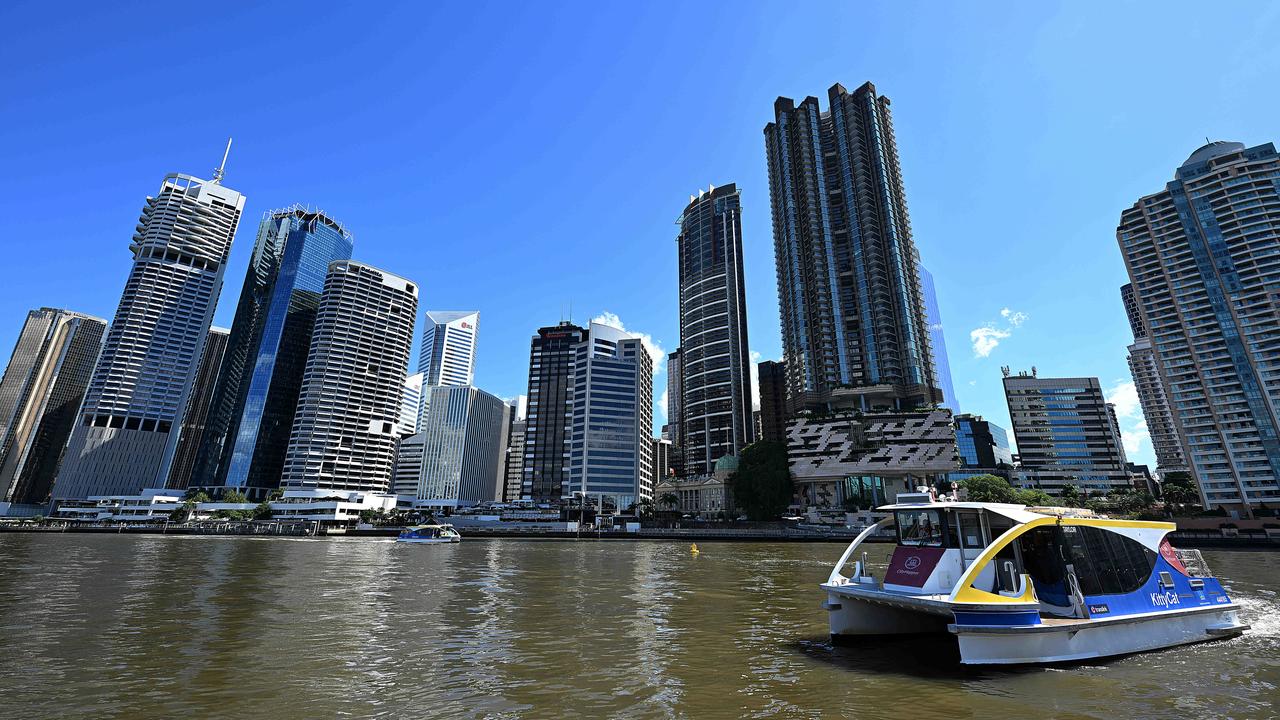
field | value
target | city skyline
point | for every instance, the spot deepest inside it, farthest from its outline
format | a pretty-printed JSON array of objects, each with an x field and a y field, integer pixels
[{"x": 984, "y": 131}]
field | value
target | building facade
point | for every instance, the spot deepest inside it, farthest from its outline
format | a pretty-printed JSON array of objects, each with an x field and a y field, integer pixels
[
  {"x": 983, "y": 448},
  {"x": 853, "y": 313},
  {"x": 347, "y": 423},
  {"x": 675, "y": 403},
  {"x": 661, "y": 453},
  {"x": 546, "y": 454},
  {"x": 195, "y": 419},
  {"x": 937, "y": 342},
  {"x": 411, "y": 404},
  {"x": 464, "y": 439},
  {"x": 514, "y": 464},
  {"x": 1066, "y": 433},
  {"x": 257, "y": 390},
  {"x": 715, "y": 362},
  {"x": 125, "y": 439},
  {"x": 1151, "y": 391},
  {"x": 1201, "y": 259},
  {"x": 772, "y": 376},
  {"x": 448, "y": 354},
  {"x": 40, "y": 396},
  {"x": 610, "y": 451}
]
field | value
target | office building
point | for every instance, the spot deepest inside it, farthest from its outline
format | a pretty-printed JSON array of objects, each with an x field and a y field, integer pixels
[
  {"x": 1066, "y": 433},
  {"x": 675, "y": 401},
  {"x": 772, "y": 376},
  {"x": 853, "y": 312},
  {"x": 347, "y": 423},
  {"x": 715, "y": 369},
  {"x": 514, "y": 464},
  {"x": 195, "y": 419},
  {"x": 546, "y": 454},
  {"x": 257, "y": 390},
  {"x": 406, "y": 472},
  {"x": 1150, "y": 387},
  {"x": 40, "y": 395},
  {"x": 1199, "y": 254},
  {"x": 661, "y": 451},
  {"x": 411, "y": 404},
  {"x": 448, "y": 354},
  {"x": 125, "y": 439},
  {"x": 610, "y": 453},
  {"x": 938, "y": 343},
  {"x": 464, "y": 439},
  {"x": 983, "y": 449}
]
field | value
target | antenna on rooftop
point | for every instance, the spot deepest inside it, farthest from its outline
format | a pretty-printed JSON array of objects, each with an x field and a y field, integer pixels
[{"x": 221, "y": 169}]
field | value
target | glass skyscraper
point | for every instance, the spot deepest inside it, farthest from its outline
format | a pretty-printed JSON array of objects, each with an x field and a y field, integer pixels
[
  {"x": 257, "y": 391},
  {"x": 715, "y": 362},
  {"x": 125, "y": 439},
  {"x": 551, "y": 366},
  {"x": 853, "y": 314},
  {"x": 1203, "y": 256},
  {"x": 195, "y": 419},
  {"x": 938, "y": 343}
]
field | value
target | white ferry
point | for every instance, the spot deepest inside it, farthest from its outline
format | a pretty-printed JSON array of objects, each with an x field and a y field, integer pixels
[
  {"x": 1029, "y": 585},
  {"x": 429, "y": 535}
]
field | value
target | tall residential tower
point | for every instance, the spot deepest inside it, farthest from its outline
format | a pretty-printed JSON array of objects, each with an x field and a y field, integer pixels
[
  {"x": 715, "y": 363},
  {"x": 1202, "y": 257},
  {"x": 1150, "y": 387},
  {"x": 853, "y": 314}
]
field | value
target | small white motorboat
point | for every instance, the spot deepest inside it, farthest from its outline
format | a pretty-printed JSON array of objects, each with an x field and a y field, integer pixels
[
  {"x": 1029, "y": 585},
  {"x": 429, "y": 534}
]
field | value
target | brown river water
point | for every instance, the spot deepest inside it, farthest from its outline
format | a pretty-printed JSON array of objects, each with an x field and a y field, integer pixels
[{"x": 160, "y": 627}]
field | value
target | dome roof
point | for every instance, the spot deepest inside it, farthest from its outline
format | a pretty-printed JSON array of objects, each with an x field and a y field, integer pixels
[
  {"x": 1213, "y": 150},
  {"x": 728, "y": 463}
]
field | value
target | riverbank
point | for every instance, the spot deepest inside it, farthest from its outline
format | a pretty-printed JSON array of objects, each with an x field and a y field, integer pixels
[{"x": 1245, "y": 539}]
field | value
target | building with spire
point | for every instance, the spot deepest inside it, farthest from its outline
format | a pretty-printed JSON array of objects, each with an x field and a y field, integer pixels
[{"x": 125, "y": 438}]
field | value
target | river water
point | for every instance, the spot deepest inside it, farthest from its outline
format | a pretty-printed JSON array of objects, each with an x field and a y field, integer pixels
[{"x": 154, "y": 626}]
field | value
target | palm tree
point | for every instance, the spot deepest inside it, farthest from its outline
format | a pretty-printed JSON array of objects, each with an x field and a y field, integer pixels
[{"x": 670, "y": 500}]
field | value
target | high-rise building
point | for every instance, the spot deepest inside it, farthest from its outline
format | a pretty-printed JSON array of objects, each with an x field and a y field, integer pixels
[
  {"x": 411, "y": 404},
  {"x": 546, "y": 454},
  {"x": 1150, "y": 387},
  {"x": 715, "y": 362},
  {"x": 195, "y": 419},
  {"x": 257, "y": 390},
  {"x": 464, "y": 439},
  {"x": 407, "y": 471},
  {"x": 448, "y": 354},
  {"x": 661, "y": 460},
  {"x": 675, "y": 402},
  {"x": 40, "y": 395},
  {"x": 610, "y": 456},
  {"x": 125, "y": 438},
  {"x": 937, "y": 342},
  {"x": 853, "y": 313},
  {"x": 772, "y": 376},
  {"x": 347, "y": 423},
  {"x": 1066, "y": 433},
  {"x": 1200, "y": 256},
  {"x": 981, "y": 443},
  {"x": 514, "y": 464}
]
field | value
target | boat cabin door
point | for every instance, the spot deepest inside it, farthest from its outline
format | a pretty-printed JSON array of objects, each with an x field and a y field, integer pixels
[{"x": 974, "y": 535}]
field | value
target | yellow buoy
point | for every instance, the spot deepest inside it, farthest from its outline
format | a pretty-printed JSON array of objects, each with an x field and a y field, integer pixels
[{"x": 693, "y": 549}]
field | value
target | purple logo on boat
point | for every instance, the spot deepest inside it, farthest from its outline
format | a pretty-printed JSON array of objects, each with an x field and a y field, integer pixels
[{"x": 912, "y": 562}]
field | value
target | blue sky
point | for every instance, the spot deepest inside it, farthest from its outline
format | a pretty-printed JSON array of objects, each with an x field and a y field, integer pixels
[{"x": 520, "y": 158}]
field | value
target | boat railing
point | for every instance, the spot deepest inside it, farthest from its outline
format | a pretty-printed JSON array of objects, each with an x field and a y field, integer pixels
[
  {"x": 860, "y": 569},
  {"x": 1193, "y": 561}
]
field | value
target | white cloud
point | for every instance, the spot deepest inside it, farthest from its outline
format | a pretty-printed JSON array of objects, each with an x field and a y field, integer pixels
[
  {"x": 988, "y": 337},
  {"x": 1015, "y": 318},
  {"x": 662, "y": 405},
  {"x": 972, "y": 383},
  {"x": 1133, "y": 426},
  {"x": 655, "y": 350},
  {"x": 985, "y": 339}
]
